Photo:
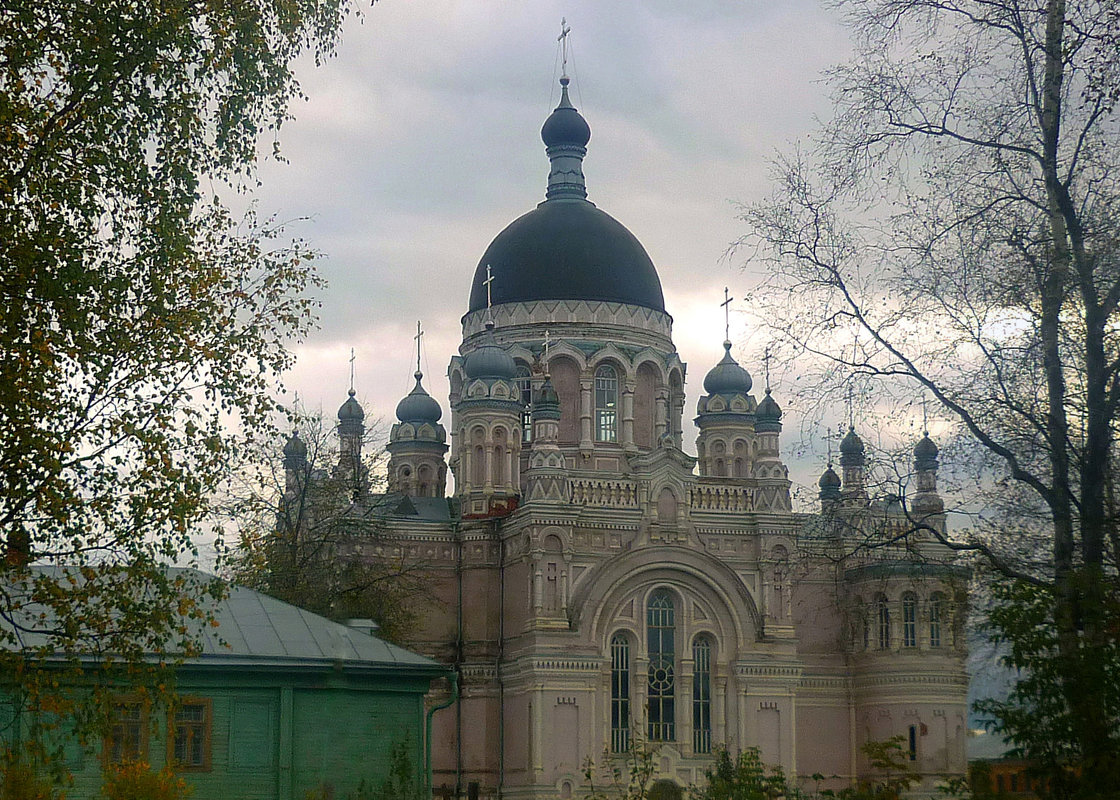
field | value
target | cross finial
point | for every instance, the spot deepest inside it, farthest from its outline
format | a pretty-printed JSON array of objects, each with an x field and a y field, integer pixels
[
  {"x": 351, "y": 371},
  {"x": 726, "y": 314},
  {"x": 419, "y": 334},
  {"x": 828, "y": 437},
  {"x": 563, "y": 39},
  {"x": 925, "y": 415},
  {"x": 489, "y": 280},
  {"x": 851, "y": 407},
  {"x": 766, "y": 366}
]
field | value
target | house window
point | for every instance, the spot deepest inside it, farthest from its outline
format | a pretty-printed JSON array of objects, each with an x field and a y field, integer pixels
[
  {"x": 606, "y": 404},
  {"x": 912, "y": 749},
  {"x": 662, "y": 667},
  {"x": 883, "y": 618},
  {"x": 620, "y": 694},
  {"x": 525, "y": 387},
  {"x": 702, "y": 696},
  {"x": 127, "y": 739},
  {"x": 909, "y": 620},
  {"x": 936, "y": 612},
  {"x": 189, "y": 738}
]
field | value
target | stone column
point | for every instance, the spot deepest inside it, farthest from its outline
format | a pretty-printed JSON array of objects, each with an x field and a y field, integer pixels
[
  {"x": 463, "y": 476},
  {"x": 628, "y": 416},
  {"x": 538, "y": 588},
  {"x": 661, "y": 414},
  {"x": 683, "y": 706},
  {"x": 585, "y": 437},
  {"x": 741, "y": 696},
  {"x": 719, "y": 709}
]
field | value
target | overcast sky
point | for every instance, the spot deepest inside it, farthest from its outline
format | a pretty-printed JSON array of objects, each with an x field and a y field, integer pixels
[{"x": 420, "y": 141}]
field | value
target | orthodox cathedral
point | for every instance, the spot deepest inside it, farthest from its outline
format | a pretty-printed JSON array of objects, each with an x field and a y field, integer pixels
[{"x": 596, "y": 587}]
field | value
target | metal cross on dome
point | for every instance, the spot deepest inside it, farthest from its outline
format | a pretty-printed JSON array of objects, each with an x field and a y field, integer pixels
[
  {"x": 419, "y": 334},
  {"x": 489, "y": 280},
  {"x": 726, "y": 314},
  {"x": 563, "y": 39},
  {"x": 351, "y": 370}
]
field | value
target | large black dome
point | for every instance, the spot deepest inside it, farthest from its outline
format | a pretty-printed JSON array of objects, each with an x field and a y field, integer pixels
[{"x": 567, "y": 250}]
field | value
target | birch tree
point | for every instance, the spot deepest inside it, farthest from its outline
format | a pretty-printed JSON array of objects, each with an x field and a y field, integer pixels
[{"x": 954, "y": 231}]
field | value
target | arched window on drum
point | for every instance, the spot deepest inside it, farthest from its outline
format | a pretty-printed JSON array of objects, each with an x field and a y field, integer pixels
[
  {"x": 525, "y": 387},
  {"x": 606, "y": 404},
  {"x": 936, "y": 619},
  {"x": 883, "y": 622},
  {"x": 909, "y": 620}
]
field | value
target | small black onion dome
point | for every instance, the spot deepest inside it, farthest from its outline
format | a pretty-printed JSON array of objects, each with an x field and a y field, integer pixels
[
  {"x": 851, "y": 448},
  {"x": 925, "y": 449},
  {"x": 294, "y": 447},
  {"x": 727, "y": 377},
  {"x": 564, "y": 125},
  {"x": 351, "y": 410},
  {"x": 418, "y": 405},
  {"x": 547, "y": 404},
  {"x": 768, "y": 410},
  {"x": 490, "y": 360},
  {"x": 829, "y": 480}
]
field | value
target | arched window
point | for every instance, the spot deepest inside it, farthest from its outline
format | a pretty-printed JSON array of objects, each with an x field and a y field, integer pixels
[
  {"x": 606, "y": 404},
  {"x": 620, "y": 693},
  {"x": 936, "y": 615},
  {"x": 525, "y": 386},
  {"x": 662, "y": 667},
  {"x": 702, "y": 695},
  {"x": 909, "y": 620},
  {"x": 883, "y": 619}
]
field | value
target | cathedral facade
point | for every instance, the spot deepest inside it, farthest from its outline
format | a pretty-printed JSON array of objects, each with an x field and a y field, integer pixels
[{"x": 598, "y": 588}]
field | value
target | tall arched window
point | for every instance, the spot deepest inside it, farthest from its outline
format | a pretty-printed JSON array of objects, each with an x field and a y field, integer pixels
[
  {"x": 936, "y": 615},
  {"x": 883, "y": 619},
  {"x": 702, "y": 695},
  {"x": 525, "y": 386},
  {"x": 606, "y": 404},
  {"x": 662, "y": 667},
  {"x": 620, "y": 693},
  {"x": 909, "y": 620}
]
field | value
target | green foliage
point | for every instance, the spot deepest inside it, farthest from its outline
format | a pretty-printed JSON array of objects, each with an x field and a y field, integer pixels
[
  {"x": 621, "y": 776},
  {"x": 142, "y": 327},
  {"x": 888, "y": 757},
  {"x": 135, "y": 780},
  {"x": 1037, "y": 717},
  {"x": 742, "y": 778},
  {"x": 745, "y": 777}
]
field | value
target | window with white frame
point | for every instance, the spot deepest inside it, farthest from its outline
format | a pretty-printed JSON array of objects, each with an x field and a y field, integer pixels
[{"x": 606, "y": 404}]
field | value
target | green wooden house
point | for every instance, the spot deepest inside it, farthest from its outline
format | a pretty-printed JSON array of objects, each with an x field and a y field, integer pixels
[{"x": 281, "y": 703}]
